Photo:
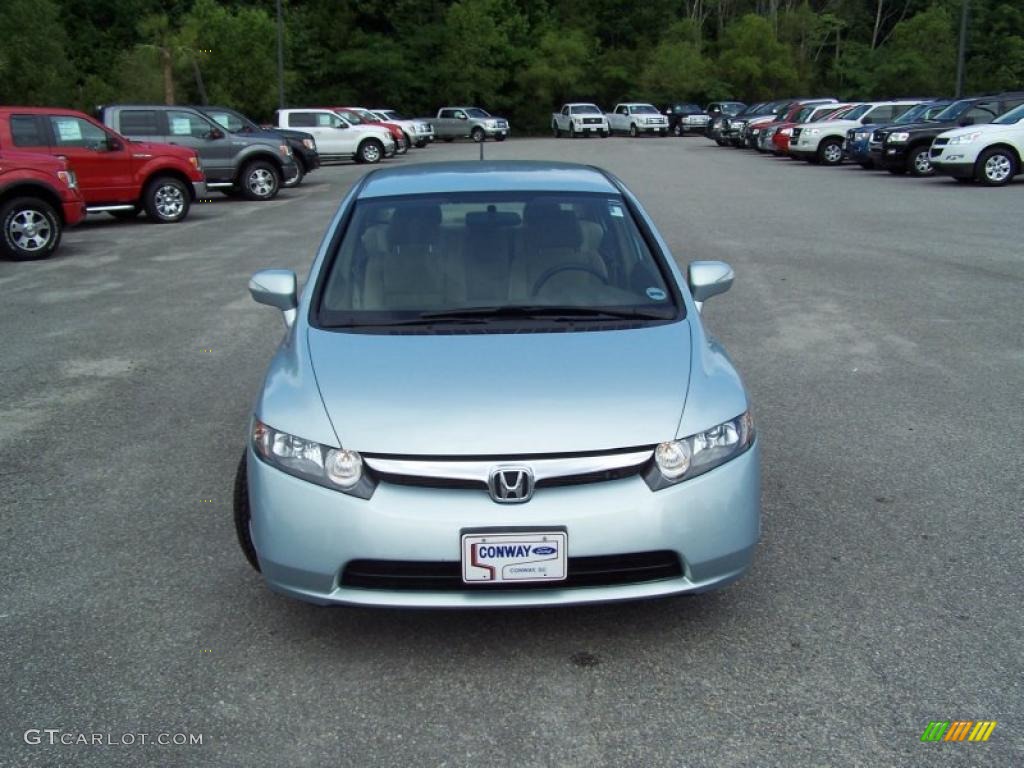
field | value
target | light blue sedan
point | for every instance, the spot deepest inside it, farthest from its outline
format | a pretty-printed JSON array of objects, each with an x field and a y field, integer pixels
[{"x": 495, "y": 390}]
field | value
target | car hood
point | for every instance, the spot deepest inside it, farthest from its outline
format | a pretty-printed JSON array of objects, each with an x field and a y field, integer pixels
[
  {"x": 928, "y": 125},
  {"x": 488, "y": 394},
  {"x": 157, "y": 148},
  {"x": 983, "y": 128}
]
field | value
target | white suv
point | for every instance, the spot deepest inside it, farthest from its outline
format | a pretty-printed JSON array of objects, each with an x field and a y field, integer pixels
[
  {"x": 990, "y": 153},
  {"x": 419, "y": 132},
  {"x": 822, "y": 142},
  {"x": 336, "y": 138}
]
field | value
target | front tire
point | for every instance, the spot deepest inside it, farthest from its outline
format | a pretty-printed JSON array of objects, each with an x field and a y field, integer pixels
[
  {"x": 996, "y": 167},
  {"x": 261, "y": 181},
  {"x": 477, "y": 134},
  {"x": 31, "y": 229},
  {"x": 166, "y": 200},
  {"x": 243, "y": 516},
  {"x": 919, "y": 163},
  {"x": 555, "y": 132},
  {"x": 604, "y": 134},
  {"x": 370, "y": 152},
  {"x": 677, "y": 130},
  {"x": 572, "y": 131},
  {"x": 632, "y": 130},
  {"x": 830, "y": 152}
]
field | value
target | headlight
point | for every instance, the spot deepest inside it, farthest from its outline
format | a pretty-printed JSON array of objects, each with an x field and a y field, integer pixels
[
  {"x": 965, "y": 138},
  {"x": 309, "y": 144},
  {"x": 336, "y": 468},
  {"x": 899, "y": 137},
  {"x": 786, "y": 132},
  {"x": 679, "y": 460},
  {"x": 194, "y": 161},
  {"x": 861, "y": 136},
  {"x": 69, "y": 178}
]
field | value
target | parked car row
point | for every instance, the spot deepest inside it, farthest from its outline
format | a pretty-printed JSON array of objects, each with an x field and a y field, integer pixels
[
  {"x": 57, "y": 165},
  {"x": 979, "y": 138},
  {"x": 634, "y": 118}
]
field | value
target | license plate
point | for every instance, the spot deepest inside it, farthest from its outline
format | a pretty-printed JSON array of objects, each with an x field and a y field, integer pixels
[{"x": 503, "y": 556}]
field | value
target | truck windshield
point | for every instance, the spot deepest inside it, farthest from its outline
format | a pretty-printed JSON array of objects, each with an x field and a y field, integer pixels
[
  {"x": 732, "y": 107},
  {"x": 857, "y": 112},
  {"x": 585, "y": 109},
  {"x": 231, "y": 121},
  {"x": 353, "y": 118},
  {"x": 645, "y": 109},
  {"x": 543, "y": 261},
  {"x": 952, "y": 112},
  {"x": 476, "y": 112},
  {"x": 1011, "y": 117}
]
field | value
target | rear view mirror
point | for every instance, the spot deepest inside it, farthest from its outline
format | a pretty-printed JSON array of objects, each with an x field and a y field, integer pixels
[
  {"x": 276, "y": 288},
  {"x": 709, "y": 278}
]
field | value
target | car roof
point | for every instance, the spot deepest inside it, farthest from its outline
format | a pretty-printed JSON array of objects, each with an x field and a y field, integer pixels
[
  {"x": 486, "y": 176},
  {"x": 5, "y": 109}
]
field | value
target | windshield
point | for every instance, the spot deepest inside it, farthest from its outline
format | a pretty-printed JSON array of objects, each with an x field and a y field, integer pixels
[
  {"x": 585, "y": 109},
  {"x": 644, "y": 109},
  {"x": 390, "y": 114},
  {"x": 367, "y": 116},
  {"x": 912, "y": 115},
  {"x": 1013, "y": 116},
  {"x": 231, "y": 121},
  {"x": 522, "y": 258},
  {"x": 353, "y": 117},
  {"x": 477, "y": 112},
  {"x": 952, "y": 112},
  {"x": 856, "y": 112},
  {"x": 732, "y": 107}
]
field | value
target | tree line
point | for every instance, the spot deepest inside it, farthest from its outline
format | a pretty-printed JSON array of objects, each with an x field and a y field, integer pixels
[{"x": 519, "y": 58}]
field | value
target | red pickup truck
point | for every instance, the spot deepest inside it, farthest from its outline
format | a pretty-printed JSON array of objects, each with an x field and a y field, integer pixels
[
  {"x": 115, "y": 175},
  {"x": 38, "y": 198}
]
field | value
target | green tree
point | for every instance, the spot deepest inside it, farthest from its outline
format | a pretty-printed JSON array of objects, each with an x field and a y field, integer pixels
[
  {"x": 903, "y": 68},
  {"x": 677, "y": 69},
  {"x": 34, "y": 67},
  {"x": 752, "y": 60}
]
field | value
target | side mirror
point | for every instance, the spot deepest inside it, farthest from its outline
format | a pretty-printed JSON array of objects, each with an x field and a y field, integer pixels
[
  {"x": 462, "y": 116},
  {"x": 215, "y": 133},
  {"x": 965, "y": 121},
  {"x": 709, "y": 278},
  {"x": 113, "y": 145},
  {"x": 276, "y": 288}
]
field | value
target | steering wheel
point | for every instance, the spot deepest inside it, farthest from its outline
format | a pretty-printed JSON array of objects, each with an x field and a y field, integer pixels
[{"x": 547, "y": 275}]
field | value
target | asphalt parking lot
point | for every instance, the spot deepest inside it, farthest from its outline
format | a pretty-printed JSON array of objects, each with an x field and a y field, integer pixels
[{"x": 877, "y": 323}]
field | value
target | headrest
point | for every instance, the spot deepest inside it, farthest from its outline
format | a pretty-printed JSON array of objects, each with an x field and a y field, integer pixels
[
  {"x": 414, "y": 225},
  {"x": 548, "y": 226}
]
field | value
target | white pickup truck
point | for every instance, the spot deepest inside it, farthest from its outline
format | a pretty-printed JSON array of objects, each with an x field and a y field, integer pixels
[
  {"x": 336, "y": 139},
  {"x": 635, "y": 118},
  {"x": 579, "y": 119}
]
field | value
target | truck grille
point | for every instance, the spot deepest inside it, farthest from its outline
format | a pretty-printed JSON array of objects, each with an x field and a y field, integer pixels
[
  {"x": 424, "y": 575},
  {"x": 877, "y": 137},
  {"x": 592, "y": 121},
  {"x": 795, "y": 136}
]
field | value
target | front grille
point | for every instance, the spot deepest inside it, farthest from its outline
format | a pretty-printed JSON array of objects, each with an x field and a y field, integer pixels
[
  {"x": 940, "y": 142},
  {"x": 796, "y": 134},
  {"x": 877, "y": 137},
  {"x": 440, "y": 576},
  {"x": 592, "y": 120}
]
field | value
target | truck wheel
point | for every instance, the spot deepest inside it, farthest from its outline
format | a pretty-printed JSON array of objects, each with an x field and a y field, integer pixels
[
  {"x": 31, "y": 229},
  {"x": 663, "y": 132},
  {"x": 572, "y": 131},
  {"x": 677, "y": 129},
  {"x": 421, "y": 144},
  {"x": 604, "y": 134},
  {"x": 830, "y": 152},
  {"x": 370, "y": 152},
  {"x": 295, "y": 180},
  {"x": 166, "y": 200},
  {"x": 555, "y": 132},
  {"x": 632, "y": 130},
  {"x": 260, "y": 180},
  {"x": 919, "y": 163},
  {"x": 243, "y": 515},
  {"x": 996, "y": 166},
  {"x": 477, "y": 134}
]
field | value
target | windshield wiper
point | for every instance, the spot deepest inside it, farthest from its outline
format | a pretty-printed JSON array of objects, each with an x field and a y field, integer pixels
[{"x": 546, "y": 311}]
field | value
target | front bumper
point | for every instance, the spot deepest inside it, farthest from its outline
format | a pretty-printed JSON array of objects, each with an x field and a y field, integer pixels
[
  {"x": 306, "y": 534},
  {"x": 199, "y": 190},
  {"x": 891, "y": 156},
  {"x": 497, "y": 133},
  {"x": 652, "y": 128},
  {"x": 585, "y": 128},
  {"x": 958, "y": 169},
  {"x": 74, "y": 211}
]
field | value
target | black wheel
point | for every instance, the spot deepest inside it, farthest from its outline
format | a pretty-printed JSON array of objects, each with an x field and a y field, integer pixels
[
  {"x": 500, "y": 138},
  {"x": 677, "y": 129},
  {"x": 370, "y": 151},
  {"x": 126, "y": 215},
  {"x": 572, "y": 131},
  {"x": 421, "y": 144},
  {"x": 555, "y": 132},
  {"x": 721, "y": 142},
  {"x": 401, "y": 147},
  {"x": 604, "y": 134},
  {"x": 295, "y": 180},
  {"x": 242, "y": 515},
  {"x": 830, "y": 152},
  {"x": 477, "y": 134},
  {"x": 260, "y": 180},
  {"x": 995, "y": 167},
  {"x": 632, "y": 130},
  {"x": 31, "y": 229},
  {"x": 867, "y": 165},
  {"x": 409, "y": 143},
  {"x": 449, "y": 140},
  {"x": 166, "y": 200},
  {"x": 663, "y": 132},
  {"x": 919, "y": 163}
]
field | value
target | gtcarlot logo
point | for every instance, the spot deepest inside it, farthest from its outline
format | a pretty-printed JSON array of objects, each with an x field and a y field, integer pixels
[{"x": 60, "y": 737}]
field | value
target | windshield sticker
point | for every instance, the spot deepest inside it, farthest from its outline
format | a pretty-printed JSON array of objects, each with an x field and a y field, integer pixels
[
  {"x": 656, "y": 294},
  {"x": 615, "y": 210}
]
